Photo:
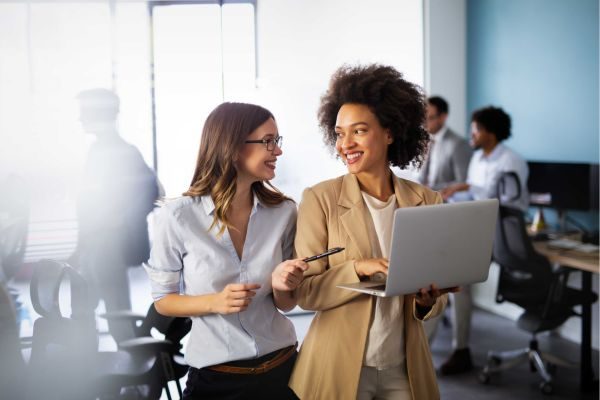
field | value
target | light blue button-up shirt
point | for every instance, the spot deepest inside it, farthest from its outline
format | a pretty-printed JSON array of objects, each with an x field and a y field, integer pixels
[
  {"x": 187, "y": 258},
  {"x": 485, "y": 171}
]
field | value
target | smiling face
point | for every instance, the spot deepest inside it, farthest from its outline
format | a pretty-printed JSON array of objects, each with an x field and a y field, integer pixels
[
  {"x": 255, "y": 162},
  {"x": 362, "y": 142}
]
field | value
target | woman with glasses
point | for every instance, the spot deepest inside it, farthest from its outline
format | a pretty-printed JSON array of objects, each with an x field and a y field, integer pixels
[
  {"x": 361, "y": 346},
  {"x": 218, "y": 257}
]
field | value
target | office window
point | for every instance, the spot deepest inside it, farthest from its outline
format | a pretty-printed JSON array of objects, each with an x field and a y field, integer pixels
[
  {"x": 276, "y": 53},
  {"x": 203, "y": 55}
]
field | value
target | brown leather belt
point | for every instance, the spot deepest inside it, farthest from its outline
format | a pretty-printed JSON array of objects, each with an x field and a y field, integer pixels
[{"x": 276, "y": 361}]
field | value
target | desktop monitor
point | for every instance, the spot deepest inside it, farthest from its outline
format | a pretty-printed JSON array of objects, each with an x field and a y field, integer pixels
[{"x": 564, "y": 186}]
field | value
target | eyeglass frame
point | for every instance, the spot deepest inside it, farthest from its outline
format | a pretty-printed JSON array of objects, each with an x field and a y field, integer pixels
[{"x": 278, "y": 141}]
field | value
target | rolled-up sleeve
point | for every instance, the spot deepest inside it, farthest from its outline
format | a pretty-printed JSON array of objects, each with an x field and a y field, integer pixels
[{"x": 166, "y": 256}]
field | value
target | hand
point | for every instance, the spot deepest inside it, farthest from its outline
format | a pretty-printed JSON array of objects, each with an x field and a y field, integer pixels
[
  {"x": 234, "y": 298},
  {"x": 288, "y": 275},
  {"x": 371, "y": 266},
  {"x": 428, "y": 297},
  {"x": 447, "y": 192}
]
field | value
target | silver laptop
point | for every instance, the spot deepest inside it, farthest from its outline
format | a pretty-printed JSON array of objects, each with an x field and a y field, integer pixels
[{"x": 446, "y": 244}]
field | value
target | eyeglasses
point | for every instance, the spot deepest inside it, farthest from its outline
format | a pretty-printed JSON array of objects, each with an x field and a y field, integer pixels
[{"x": 270, "y": 143}]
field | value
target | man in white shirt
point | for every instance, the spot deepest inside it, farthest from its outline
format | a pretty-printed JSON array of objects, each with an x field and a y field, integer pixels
[
  {"x": 489, "y": 127},
  {"x": 449, "y": 153}
]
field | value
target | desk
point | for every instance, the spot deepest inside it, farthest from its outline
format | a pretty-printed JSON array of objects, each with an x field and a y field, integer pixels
[{"x": 587, "y": 264}]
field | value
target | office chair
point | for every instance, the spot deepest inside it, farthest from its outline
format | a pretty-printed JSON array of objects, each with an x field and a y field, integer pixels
[
  {"x": 528, "y": 280},
  {"x": 65, "y": 362},
  {"x": 174, "y": 330},
  {"x": 12, "y": 364}
]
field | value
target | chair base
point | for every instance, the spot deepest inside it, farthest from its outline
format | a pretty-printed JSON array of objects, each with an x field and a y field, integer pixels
[{"x": 541, "y": 362}]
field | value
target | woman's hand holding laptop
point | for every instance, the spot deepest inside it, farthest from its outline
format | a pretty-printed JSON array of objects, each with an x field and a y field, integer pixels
[
  {"x": 371, "y": 266},
  {"x": 427, "y": 297}
]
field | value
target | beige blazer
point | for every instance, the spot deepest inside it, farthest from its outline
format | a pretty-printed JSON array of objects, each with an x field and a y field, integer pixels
[{"x": 328, "y": 367}]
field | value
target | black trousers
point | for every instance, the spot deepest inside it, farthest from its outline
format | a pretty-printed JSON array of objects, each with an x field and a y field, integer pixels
[{"x": 205, "y": 384}]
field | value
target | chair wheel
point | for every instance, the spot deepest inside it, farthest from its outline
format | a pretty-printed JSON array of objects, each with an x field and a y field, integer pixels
[
  {"x": 546, "y": 388},
  {"x": 483, "y": 378}
]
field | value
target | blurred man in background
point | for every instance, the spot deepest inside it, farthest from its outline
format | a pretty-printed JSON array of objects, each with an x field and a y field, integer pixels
[
  {"x": 449, "y": 153},
  {"x": 117, "y": 193}
]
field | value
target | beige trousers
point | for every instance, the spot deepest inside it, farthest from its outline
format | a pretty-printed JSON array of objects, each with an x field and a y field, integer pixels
[{"x": 384, "y": 384}]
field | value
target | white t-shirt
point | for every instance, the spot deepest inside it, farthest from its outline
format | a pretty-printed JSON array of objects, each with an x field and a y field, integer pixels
[
  {"x": 385, "y": 343},
  {"x": 434, "y": 152}
]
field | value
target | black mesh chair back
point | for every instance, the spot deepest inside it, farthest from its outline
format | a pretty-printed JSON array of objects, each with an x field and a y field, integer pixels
[
  {"x": 61, "y": 339},
  {"x": 525, "y": 275}
]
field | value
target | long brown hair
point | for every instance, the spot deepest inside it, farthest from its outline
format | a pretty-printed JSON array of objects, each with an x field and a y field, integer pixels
[{"x": 223, "y": 136}]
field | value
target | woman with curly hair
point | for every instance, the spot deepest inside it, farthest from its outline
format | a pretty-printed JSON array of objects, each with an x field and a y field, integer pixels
[{"x": 362, "y": 346}]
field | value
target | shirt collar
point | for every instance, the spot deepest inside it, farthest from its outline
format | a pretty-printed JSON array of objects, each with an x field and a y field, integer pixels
[
  {"x": 439, "y": 135},
  {"x": 495, "y": 154},
  {"x": 209, "y": 204}
]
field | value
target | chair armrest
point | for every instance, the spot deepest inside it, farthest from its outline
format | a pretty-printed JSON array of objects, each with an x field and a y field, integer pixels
[
  {"x": 123, "y": 315},
  {"x": 145, "y": 345}
]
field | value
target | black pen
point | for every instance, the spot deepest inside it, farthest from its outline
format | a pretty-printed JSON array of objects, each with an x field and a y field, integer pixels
[{"x": 325, "y": 254}]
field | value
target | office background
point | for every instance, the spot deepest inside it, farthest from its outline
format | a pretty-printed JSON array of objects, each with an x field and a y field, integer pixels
[{"x": 537, "y": 59}]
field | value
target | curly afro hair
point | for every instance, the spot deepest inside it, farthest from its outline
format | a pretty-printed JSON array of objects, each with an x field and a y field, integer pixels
[
  {"x": 494, "y": 120},
  {"x": 398, "y": 105}
]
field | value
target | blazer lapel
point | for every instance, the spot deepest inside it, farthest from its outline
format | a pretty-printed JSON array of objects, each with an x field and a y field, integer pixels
[
  {"x": 405, "y": 195},
  {"x": 352, "y": 215}
]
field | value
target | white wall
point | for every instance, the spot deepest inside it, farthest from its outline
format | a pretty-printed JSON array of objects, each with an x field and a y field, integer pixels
[
  {"x": 300, "y": 44},
  {"x": 446, "y": 56}
]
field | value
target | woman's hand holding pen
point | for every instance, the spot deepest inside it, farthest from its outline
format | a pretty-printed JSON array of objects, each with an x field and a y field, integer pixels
[
  {"x": 371, "y": 266},
  {"x": 234, "y": 298},
  {"x": 288, "y": 275}
]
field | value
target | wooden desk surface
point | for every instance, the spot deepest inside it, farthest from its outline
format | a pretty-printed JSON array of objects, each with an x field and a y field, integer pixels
[{"x": 569, "y": 258}]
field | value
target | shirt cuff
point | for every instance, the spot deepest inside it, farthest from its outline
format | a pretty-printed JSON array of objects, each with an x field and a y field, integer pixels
[{"x": 163, "y": 282}]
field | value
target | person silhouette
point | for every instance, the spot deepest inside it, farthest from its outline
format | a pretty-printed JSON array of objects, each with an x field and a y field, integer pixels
[{"x": 118, "y": 191}]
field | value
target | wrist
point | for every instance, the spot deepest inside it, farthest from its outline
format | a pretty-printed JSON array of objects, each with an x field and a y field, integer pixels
[
  {"x": 209, "y": 304},
  {"x": 422, "y": 310},
  {"x": 357, "y": 269}
]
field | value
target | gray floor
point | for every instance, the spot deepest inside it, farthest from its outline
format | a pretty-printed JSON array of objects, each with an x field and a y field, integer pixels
[{"x": 489, "y": 331}]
